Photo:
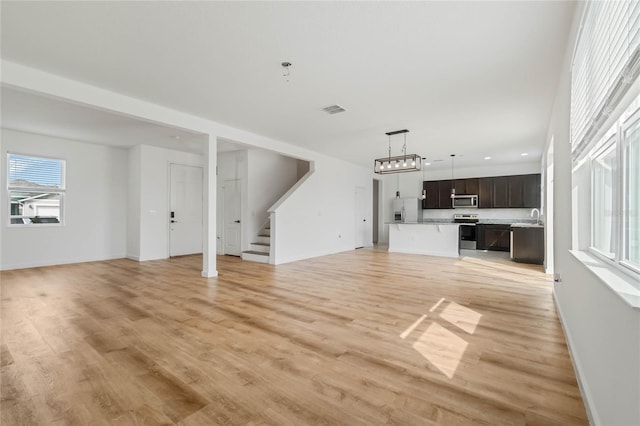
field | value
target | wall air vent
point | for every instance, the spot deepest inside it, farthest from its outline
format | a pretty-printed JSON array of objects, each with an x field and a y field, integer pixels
[{"x": 334, "y": 109}]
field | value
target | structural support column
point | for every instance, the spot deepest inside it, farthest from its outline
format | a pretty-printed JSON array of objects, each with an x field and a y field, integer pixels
[{"x": 209, "y": 217}]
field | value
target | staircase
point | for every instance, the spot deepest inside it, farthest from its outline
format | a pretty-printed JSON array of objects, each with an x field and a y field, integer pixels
[{"x": 260, "y": 249}]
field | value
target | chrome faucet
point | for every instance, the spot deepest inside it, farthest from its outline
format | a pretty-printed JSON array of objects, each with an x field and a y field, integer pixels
[{"x": 537, "y": 216}]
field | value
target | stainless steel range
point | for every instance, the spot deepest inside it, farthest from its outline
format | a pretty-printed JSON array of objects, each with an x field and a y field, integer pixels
[{"x": 467, "y": 230}]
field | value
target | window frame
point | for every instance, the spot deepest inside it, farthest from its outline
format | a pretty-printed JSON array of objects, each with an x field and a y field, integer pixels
[
  {"x": 31, "y": 189},
  {"x": 615, "y": 139},
  {"x": 608, "y": 143},
  {"x": 626, "y": 124}
]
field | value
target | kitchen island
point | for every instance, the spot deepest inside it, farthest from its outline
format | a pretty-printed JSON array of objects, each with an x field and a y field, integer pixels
[{"x": 429, "y": 238}]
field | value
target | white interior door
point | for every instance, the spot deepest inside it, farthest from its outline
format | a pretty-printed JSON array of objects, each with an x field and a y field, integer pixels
[
  {"x": 185, "y": 210},
  {"x": 360, "y": 218},
  {"x": 232, "y": 212}
]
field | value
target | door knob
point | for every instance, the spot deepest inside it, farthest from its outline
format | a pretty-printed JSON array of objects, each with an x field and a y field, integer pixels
[
  {"x": 173, "y": 221},
  {"x": 364, "y": 220},
  {"x": 236, "y": 221}
]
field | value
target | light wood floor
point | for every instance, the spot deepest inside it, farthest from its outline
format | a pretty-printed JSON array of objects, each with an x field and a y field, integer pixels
[{"x": 364, "y": 337}]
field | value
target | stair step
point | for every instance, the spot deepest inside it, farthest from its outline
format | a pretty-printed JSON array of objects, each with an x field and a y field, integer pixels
[
  {"x": 260, "y": 243},
  {"x": 255, "y": 256},
  {"x": 261, "y": 248},
  {"x": 263, "y": 239}
]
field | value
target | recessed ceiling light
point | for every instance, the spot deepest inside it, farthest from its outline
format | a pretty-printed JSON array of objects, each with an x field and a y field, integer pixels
[
  {"x": 487, "y": 158},
  {"x": 524, "y": 154}
]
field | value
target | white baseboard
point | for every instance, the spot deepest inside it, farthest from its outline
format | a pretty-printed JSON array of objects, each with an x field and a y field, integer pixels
[
  {"x": 437, "y": 254},
  {"x": 290, "y": 259},
  {"x": 39, "y": 264},
  {"x": 206, "y": 274},
  {"x": 577, "y": 368}
]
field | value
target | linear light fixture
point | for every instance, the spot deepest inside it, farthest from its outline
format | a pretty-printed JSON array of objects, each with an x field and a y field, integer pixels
[{"x": 398, "y": 164}]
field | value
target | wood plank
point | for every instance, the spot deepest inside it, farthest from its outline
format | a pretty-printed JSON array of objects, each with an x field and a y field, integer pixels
[{"x": 362, "y": 337}]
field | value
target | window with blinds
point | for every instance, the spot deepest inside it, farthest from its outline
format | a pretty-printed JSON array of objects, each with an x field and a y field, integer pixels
[
  {"x": 606, "y": 61},
  {"x": 36, "y": 189}
]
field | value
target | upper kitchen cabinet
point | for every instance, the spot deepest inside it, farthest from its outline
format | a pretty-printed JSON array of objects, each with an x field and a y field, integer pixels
[
  {"x": 519, "y": 191},
  {"x": 438, "y": 194},
  {"x": 444, "y": 194},
  {"x": 500, "y": 191},
  {"x": 433, "y": 195},
  {"x": 532, "y": 191},
  {"x": 466, "y": 186},
  {"x": 524, "y": 191},
  {"x": 516, "y": 191},
  {"x": 485, "y": 193}
]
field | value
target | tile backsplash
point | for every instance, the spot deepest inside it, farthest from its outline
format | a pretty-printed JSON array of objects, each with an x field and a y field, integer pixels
[{"x": 482, "y": 213}]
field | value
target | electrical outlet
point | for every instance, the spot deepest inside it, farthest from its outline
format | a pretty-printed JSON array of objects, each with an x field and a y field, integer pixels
[{"x": 557, "y": 279}]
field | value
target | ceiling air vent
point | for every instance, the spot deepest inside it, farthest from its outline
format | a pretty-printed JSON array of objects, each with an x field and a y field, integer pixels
[{"x": 334, "y": 109}]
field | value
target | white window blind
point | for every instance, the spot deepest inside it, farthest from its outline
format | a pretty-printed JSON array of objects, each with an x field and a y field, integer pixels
[
  {"x": 35, "y": 172},
  {"x": 606, "y": 60}
]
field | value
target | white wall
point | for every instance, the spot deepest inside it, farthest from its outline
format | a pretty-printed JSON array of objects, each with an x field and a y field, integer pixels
[
  {"x": 318, "y": 218},
  {"x": 270, "y": 175},
  {"x": 154, "y": 198},
  {"x": 602, "y": 330},
  {"x": 95, "y": 205}
]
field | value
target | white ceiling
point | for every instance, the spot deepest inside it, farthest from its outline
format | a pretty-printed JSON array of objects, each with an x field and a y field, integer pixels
[{"x": 472, "y": 78}]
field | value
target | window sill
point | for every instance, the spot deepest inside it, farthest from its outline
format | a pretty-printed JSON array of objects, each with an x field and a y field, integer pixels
[{"x": 624, "y": 285}]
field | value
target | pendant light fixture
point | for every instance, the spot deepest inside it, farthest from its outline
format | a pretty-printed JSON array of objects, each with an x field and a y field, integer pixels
[
  {"x": 453, "y": 182},
  {"x": 398, "y": 164}
]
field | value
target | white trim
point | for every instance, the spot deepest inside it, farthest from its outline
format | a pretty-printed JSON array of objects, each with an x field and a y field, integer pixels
[
  {"x": 424, "y": 253},
  {"x": 26, "y": 265},
  {"x": 206, "y": 274},
  {"x": 320, "y": 253},
  {"x": 624, "y": 285}
]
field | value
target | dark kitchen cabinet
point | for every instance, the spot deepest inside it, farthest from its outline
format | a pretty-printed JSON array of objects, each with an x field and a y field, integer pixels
[
  {"x": 531, "y": 191},
  {"x": 500, "y": 191},
  {"x": 444, "y": 194},
  {"x": 516, "y": 191},
  {"x": 493, "y": 237},
  {"x": 528, "y": 245},
  {"x": 524, "y": 191},
  {"x": 466, "y": 186},
  {"x": 485, "y": 193},
  {"x": 433, "y": 196}
]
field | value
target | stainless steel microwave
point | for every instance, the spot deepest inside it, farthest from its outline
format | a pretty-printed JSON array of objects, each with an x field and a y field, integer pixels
[{"x": 468, "y": 201}]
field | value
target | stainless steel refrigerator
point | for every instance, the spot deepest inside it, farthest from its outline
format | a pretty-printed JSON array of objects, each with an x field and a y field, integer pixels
[{"x": 407, "y": 210}]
